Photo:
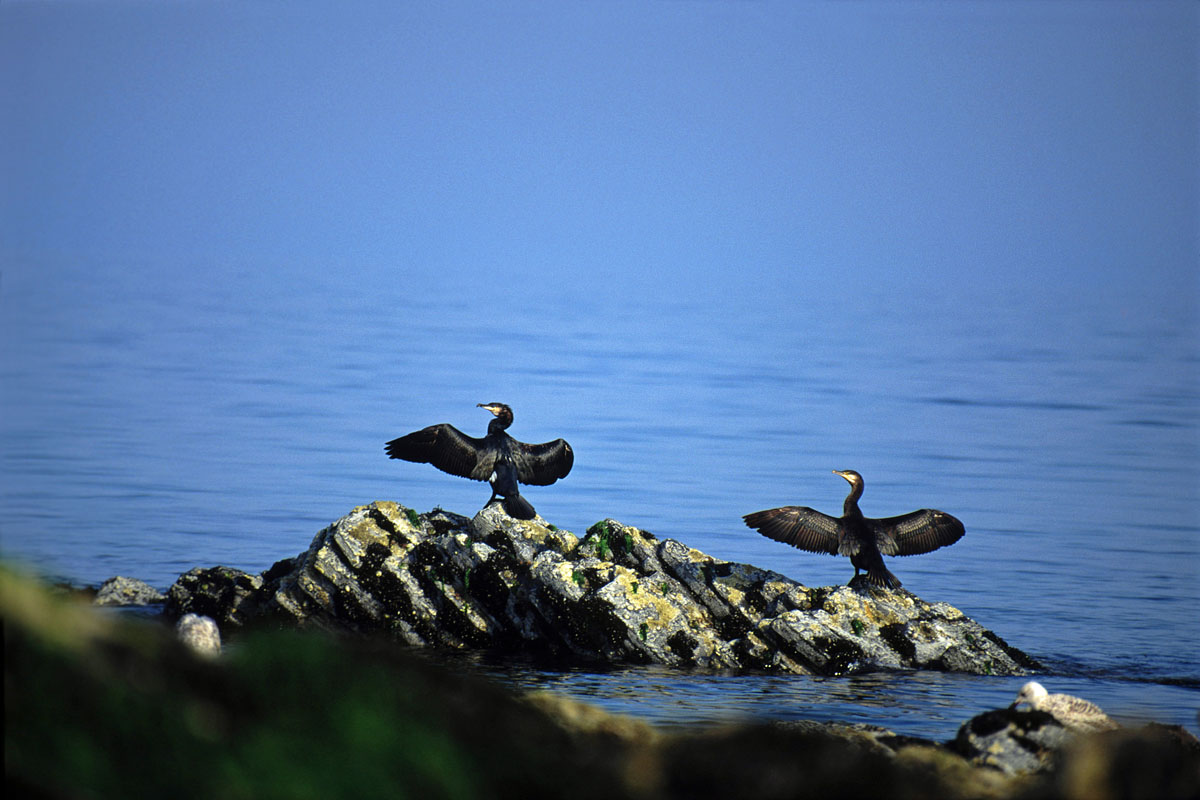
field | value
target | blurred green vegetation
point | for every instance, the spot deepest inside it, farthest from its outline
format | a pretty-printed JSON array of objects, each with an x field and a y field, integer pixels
[{"x": 119, "y": 708}]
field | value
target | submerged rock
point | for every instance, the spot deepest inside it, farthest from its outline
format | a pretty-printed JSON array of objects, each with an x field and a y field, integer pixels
[{"x": 617, "y": 595}]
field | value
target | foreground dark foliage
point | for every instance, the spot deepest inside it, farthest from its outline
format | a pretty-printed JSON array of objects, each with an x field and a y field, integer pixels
[{"x": 97, "y": 705}]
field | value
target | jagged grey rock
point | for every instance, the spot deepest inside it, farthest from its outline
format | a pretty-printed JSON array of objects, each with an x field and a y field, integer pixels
[
  {"x": 617, "y": 595},
  {"x": 120, "y": 591}
]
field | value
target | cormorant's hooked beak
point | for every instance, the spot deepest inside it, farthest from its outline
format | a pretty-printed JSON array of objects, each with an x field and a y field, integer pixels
[
  {"x": 844, "y": 475},
  {"x": 492, "y": 407}
]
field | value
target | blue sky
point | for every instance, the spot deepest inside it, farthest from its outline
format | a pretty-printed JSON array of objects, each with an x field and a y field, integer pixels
[{"x": 690, "y": 146}]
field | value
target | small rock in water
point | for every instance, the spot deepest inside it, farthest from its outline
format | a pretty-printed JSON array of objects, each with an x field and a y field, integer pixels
[
  {"x": 200, "y": 634},
  {"x": 121, "y": 591}
]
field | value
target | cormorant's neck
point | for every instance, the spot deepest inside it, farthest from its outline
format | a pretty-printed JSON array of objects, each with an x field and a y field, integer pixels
[
  {"x": 500, "y": 423},
  {"x": 850, "y": 507}
]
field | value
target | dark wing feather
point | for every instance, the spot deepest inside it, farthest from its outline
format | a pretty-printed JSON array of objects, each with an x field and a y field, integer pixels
[
  {"x": 798, "y": 526},
  {"x": 448, "y": 449},
  {"x": 916, "y": 532},
  {"x": 542, "y": 464}
]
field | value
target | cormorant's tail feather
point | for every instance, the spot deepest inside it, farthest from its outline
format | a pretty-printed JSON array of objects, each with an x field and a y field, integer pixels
[
  {"x": 884, "y": 579},
  {"x": 518, "y": 507},
  {"x": 880, "y": 577}
]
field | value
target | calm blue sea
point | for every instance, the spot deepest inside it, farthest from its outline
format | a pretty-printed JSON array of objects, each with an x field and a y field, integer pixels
[{"x": 160, "y": 416}]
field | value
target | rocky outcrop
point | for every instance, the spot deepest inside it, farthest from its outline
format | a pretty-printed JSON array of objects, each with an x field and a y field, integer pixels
[{"x": 617, "y": 595}]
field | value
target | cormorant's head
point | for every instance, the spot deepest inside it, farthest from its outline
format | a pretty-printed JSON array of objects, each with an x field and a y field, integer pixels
[
  {"x": 850, "y": 475},
  {"x": 499, "y": 409},
  {"x": 503, "y": 414}
]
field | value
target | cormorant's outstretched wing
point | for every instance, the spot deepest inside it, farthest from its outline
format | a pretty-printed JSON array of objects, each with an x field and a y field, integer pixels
[
  {"x": 916, "y": 532},
  {"x": 448, "y": 449},
  {"x": 542, "y": 464},
  {"x": 798, "y": 526}
]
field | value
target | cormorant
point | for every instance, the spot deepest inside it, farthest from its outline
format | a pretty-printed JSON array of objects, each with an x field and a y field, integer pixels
[
  {"x": 1073, "y": 712},
  {"x": 497, "y": 458},
  {"x": 865, "y": 540}
]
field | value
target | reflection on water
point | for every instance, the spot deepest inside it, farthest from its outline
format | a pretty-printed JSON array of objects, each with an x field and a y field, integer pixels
[{"x": 150, "y": 426}]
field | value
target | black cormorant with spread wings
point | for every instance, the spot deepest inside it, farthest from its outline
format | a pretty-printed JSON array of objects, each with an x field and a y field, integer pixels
[
  {"x": 497, "y": 458},
  {"x": 865, "y": 540}
]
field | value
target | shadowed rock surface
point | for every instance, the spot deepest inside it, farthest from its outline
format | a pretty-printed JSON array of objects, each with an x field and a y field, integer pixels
[
  {"x": 618, "y": 595},
  {"x": 103, "y": 706},
  {"x": 1011, "y": 741}
]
